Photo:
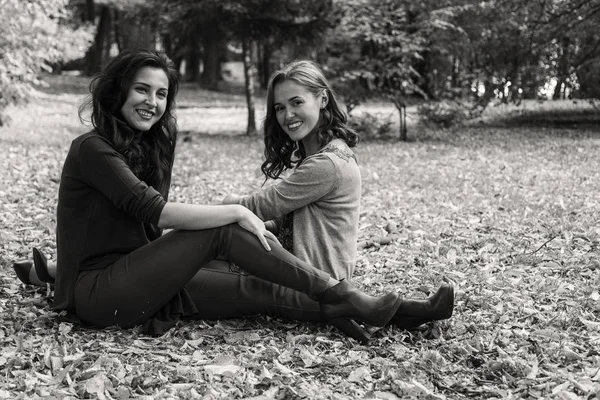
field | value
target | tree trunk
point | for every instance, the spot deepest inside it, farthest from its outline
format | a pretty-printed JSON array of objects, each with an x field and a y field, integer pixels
[
  {"x": 136, "y": 31},
  {"x": 455, "y": 71},
  {"x": 192, "y": 64},
  {"x": 423, "y": 68},
  {"x": 265, "y": 63},
  {"x": 212, "y": 46},
  {"x": 89, "y": 15},
  {"x": 563, "y": 68},
  {"x": 97, "y": 54},
  {"x": 249, "y": 81},
  {"x": 400, "y": 103}
]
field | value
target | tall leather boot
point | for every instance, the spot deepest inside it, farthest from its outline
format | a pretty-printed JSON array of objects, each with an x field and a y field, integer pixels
[
  {"x": 345, "y": 301},
  {"x": 414, "y": 313}
]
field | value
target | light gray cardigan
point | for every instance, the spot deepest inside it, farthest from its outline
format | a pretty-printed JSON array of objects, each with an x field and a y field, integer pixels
[{"x": 324, "y": 194}]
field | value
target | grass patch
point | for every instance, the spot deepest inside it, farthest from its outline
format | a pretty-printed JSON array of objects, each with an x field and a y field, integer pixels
[
  {"x": 562, "y": 113},
  {"x": 507, "y": 214}
]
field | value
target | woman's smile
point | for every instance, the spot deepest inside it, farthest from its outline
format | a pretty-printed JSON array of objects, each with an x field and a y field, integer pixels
[
  {"x": 145, "y": 114},
  {"x": 294, "y": 125}
]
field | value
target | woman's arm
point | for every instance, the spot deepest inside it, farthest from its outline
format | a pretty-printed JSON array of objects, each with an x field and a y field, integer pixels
[
  {"x": 310, "y": 182},
  {"x": 196, "y": 217},
  {"x": 104, "y": 169},
  {"x": 271, "y": 225}
]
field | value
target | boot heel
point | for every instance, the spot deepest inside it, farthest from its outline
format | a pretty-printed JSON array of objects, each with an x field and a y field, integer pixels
[
  {"x": 41, "y": 266},
  {"x": 351, "y": 329}
]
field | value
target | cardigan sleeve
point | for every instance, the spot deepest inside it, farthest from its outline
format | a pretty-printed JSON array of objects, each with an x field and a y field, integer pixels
[
  {"x": 105, "y": 169},
  {"x": 312, "y": 180}
]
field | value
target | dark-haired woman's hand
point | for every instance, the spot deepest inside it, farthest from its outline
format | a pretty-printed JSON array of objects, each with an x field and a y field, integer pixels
[{"x": 250, "y": 222}]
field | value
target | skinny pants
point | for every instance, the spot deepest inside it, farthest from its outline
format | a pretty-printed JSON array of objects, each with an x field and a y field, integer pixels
[
  {"x": 135, "y": 287},
  {"x": 219, "y": 292}
]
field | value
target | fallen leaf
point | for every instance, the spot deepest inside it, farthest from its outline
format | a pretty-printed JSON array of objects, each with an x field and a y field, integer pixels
[
  {"x": 227, "y": 370},
  {"x": 360, "y": 374}
]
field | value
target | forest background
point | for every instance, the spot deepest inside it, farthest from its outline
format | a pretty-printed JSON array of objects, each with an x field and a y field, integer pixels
[{"x": 480, "y": 129}]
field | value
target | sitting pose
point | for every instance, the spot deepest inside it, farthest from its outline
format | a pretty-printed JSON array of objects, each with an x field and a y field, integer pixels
[
  {"x": 115, "y": 268},
  {"x": 315, "y": 210}
]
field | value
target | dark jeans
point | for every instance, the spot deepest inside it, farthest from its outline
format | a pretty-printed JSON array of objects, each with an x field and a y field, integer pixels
[
  {"x": 220, "y": 292},
  {"x": 136, "y": 286}
]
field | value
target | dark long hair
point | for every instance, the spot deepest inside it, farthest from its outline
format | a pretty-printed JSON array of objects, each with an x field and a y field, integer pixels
[
  {"x": 279, "y": 148},
  {"x": 148, "y": 154}
]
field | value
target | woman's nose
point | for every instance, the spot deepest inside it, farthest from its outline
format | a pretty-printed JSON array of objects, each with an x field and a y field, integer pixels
[{"x": 150, "y": 100}]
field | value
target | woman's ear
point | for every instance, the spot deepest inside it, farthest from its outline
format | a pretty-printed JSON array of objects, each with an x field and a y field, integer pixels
[{"x": 324, "y": 98}]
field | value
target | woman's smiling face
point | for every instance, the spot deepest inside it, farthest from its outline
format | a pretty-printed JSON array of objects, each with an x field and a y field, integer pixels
[
  {"x": 146, "y": 99},
  {"x": 297, "y": 109}
]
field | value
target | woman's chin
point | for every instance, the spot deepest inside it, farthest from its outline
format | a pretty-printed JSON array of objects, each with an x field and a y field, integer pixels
[{"x": 143, "y": 126}]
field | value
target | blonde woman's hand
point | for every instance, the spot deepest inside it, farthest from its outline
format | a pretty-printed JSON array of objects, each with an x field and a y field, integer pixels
[{"x": 250, "y": 222}]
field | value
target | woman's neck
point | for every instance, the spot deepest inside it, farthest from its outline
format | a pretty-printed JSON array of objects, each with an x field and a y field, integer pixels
[{"x": 311, "y": 143}]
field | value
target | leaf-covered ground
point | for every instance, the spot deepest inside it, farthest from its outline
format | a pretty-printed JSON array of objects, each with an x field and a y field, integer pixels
[{"x": 508, "y": 215}]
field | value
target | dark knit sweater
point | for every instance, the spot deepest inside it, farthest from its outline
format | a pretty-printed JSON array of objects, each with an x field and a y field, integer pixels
[{"x": 104, "y": 212}]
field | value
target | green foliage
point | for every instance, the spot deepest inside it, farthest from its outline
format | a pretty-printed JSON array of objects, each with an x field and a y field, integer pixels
[
  {"x": 442, "y": 114},
  {"x": 383, "y": 48},
  {"x": 509, "y": 50},
  {"x": 288, "y": 20},
  {"x": 518, "y": 50},
  {"x": 374, "y": 46},
  {"x": 589, "y": 80},
  {"x": 371, "y": 127},
  {"x": 33, "y": 34}
]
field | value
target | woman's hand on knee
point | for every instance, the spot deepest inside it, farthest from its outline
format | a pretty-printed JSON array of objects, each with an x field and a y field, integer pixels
[{"x": 250, "y": 222}]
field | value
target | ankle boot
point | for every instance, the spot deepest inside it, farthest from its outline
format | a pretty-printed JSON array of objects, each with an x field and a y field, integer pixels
[
  {"x": 344, "y": 301},
  {"x": 413, "y": 313}
]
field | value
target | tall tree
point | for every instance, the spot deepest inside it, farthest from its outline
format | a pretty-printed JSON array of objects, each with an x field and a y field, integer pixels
[
  {"x": 376, "y": 46},
  {"x": 249, "y": 86},
  {"x": 290, "y": 21},
  {"x": 98, "y": 53}
]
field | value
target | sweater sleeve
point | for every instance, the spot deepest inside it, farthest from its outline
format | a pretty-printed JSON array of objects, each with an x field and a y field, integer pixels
[
  {"x": 104, "y": 169},
  {"x": 312, "y": 180}
]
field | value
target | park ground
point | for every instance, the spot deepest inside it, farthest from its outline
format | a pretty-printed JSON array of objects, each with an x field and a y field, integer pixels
[{"x": 507, "y": 212}]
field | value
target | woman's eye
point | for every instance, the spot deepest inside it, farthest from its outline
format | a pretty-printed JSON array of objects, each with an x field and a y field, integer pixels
[
  {"x": 277, "y": 109},
  {"x": 161, "y": 95},
  {"x": 297, "y": 102},
  {"x": 141, "y": 89}
]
